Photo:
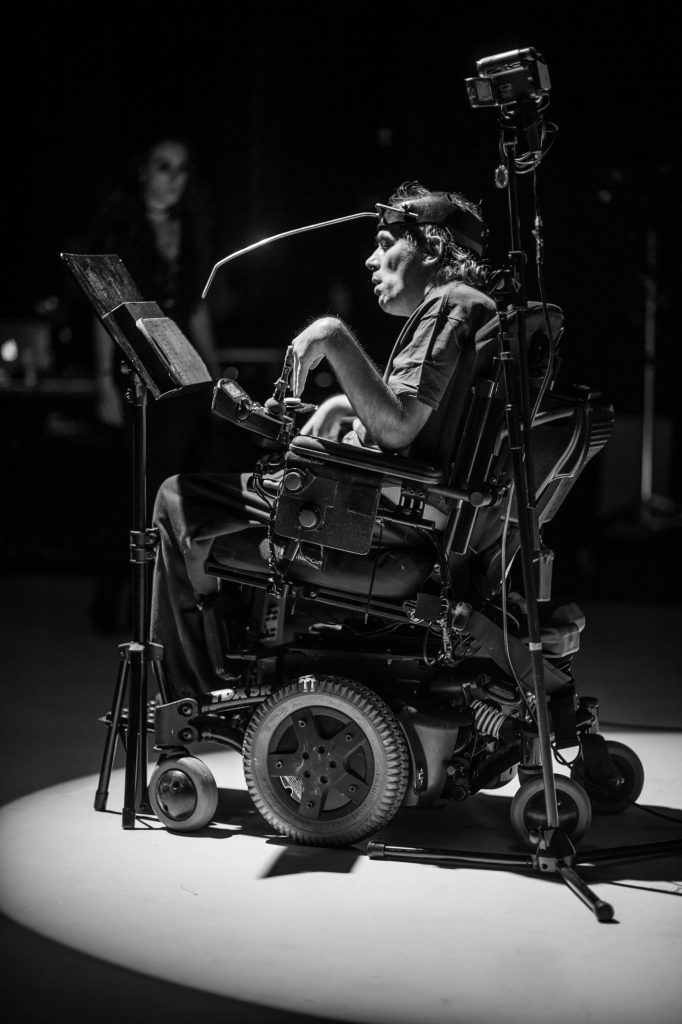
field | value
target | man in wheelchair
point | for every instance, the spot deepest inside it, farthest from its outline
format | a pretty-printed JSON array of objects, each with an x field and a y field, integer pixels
[
  {"x": 423, "y": 269},
  {"x": 342, "y": 613}
]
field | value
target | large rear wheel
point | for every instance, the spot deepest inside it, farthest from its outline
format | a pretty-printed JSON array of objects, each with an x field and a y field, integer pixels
[{"x": 325, "y": 761}]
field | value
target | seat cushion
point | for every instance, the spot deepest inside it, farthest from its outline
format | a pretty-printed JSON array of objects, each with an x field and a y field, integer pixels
[{"x": 394, "y": 570}]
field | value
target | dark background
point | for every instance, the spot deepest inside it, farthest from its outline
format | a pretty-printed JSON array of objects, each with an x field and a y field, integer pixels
[{"x": 313, "y": 112}]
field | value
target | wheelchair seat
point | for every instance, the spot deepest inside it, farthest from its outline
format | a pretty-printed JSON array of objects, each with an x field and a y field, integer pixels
[
  {"x": 360, "y": 524},
  {"x": 396, "y": 567}
]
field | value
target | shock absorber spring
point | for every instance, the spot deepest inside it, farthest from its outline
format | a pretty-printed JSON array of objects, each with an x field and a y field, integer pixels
[{"x": 488, "y": 720}]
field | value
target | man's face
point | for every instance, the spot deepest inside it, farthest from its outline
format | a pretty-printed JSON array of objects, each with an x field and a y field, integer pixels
[{"x": 400, "y": 272}]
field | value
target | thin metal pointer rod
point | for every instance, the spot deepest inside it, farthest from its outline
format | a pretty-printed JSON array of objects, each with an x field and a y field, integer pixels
[{"x": 284, "y": 234}]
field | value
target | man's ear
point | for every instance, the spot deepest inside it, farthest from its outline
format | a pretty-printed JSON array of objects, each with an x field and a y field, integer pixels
[{"x": 434, "y": 249}]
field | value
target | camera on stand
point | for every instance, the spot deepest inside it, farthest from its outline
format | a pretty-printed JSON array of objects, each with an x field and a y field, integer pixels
[{"x": 509, "y": 77}]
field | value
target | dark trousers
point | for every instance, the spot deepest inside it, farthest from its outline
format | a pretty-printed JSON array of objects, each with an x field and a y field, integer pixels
[{"x": 190, "y": 511}]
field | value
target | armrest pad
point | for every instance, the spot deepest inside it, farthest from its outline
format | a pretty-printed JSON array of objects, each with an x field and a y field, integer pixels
[{"x": 392, "y": 466}]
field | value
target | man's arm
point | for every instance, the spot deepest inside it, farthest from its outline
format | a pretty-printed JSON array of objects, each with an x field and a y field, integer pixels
[{"x": 393, "y": 422}]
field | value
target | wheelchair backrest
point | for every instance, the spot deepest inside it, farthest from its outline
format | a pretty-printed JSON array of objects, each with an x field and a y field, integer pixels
[{"x": 568, "y": 429}]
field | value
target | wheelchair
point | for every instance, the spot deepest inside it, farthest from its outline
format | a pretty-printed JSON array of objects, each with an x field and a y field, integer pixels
[{"x": 372, "y": 652}]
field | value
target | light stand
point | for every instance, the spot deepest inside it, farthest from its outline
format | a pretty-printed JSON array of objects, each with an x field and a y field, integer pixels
[
  {"x": 161, "y": 361},
  {"x": 518, "y": 413},
  {"x": 525, "y": 72}
]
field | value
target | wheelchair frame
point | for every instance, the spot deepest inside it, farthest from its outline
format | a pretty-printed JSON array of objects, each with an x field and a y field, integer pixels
[{"x": 451, "y": 699}]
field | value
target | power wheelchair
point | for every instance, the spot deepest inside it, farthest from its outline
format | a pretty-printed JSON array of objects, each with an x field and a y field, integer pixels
[{"x": 372, "y": 652}]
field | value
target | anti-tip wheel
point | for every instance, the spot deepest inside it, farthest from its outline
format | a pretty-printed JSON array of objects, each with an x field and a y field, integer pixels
[{"x": 616, "y": 795}]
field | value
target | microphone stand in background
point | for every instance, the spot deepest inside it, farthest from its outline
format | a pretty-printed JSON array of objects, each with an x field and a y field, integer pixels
[{"x": 655, "y": 512}]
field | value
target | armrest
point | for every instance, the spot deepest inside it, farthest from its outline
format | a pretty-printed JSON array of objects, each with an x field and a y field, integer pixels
[{"x": 393, "y": 467}]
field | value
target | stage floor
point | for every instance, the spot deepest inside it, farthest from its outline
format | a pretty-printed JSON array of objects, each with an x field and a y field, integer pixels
[{"x": 109, "y": 924}]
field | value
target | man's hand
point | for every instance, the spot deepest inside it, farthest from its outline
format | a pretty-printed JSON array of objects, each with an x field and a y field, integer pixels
[
  {"x": 391, "y": 421},
  {"x": 309, "y": 349}
]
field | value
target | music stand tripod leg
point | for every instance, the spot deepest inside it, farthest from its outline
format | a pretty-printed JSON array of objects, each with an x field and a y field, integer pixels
[
  {"x": 113, "y": 728},
  {"x": 132, "y": 678},
  {"x": 135, "y": 788}
]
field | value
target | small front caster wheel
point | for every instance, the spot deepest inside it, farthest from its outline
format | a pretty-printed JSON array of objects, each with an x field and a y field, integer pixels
[
  {"x": 613, "y": 795},
  {"x": 183, "y": 793},
  {"x": 529, "y": 816}
]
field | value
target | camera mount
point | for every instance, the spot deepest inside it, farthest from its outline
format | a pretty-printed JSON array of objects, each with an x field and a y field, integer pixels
[{"x": 508, "y": 78}]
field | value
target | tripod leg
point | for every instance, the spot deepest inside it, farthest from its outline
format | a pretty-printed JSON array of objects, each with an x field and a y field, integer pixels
[
  {"x": 112, "y": 735},
  {"x": 142, "y": 795},
  {"x": 603, "y": 911},
  {"x": 132, "y": 746}
]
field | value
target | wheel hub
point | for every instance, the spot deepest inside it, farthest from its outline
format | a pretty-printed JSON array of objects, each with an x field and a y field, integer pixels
[
  {"x": 176, "y": 794},
  {"x": 322, "y": 774}
]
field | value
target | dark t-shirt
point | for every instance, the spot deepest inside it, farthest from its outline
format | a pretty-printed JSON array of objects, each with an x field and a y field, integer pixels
[{"x": 435, "y": 359}]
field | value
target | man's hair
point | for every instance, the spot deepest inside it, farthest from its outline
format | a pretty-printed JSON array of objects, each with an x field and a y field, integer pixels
[{"x": 456, "y": 263}]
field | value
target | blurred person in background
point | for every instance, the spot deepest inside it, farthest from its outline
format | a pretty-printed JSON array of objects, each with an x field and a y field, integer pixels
[{"x": 157, "y": 221}]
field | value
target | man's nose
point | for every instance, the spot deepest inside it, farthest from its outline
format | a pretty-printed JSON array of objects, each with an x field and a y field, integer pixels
[{"x": 372, "y": 261}]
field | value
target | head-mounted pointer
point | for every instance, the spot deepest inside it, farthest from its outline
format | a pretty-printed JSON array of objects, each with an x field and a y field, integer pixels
[{"x": 436, "y": 208}]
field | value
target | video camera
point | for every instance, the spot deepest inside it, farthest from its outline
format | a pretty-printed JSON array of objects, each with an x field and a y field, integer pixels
[{"x": 507, "y": 78}]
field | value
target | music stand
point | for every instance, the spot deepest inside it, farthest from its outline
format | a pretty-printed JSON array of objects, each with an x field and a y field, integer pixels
[{"x": 158, "y": 359}]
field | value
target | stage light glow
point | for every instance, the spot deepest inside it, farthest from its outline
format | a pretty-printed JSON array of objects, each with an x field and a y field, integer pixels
[{"x": 9, "y": 351}]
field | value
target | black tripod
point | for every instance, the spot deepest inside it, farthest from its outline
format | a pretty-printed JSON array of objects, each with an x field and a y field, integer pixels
[{"x": 555, "y": 853}]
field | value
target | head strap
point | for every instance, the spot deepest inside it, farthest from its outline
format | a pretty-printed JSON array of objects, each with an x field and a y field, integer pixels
[{"x": 438, "y": 208}]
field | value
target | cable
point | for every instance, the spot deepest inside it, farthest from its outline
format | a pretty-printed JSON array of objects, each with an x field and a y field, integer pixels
[
  {"x": 505, "y": 628},
  {"x": 562, "y": 760},
  {"x": 529, "y": 161},
  {"x": 429, "y": 662},
  {"x": 539, "y": 262}
]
